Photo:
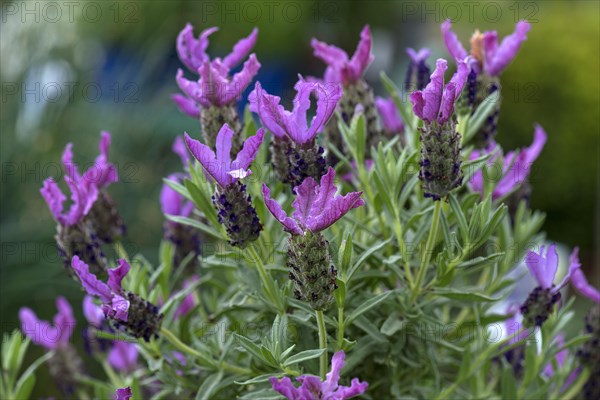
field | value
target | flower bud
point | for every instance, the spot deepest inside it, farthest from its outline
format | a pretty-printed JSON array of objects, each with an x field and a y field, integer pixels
[
  {"x": 80, "y": 240},
  {"x": 305, "y": 161},
  {"x": 212, "y": 119},
  {"x": 539, "y": 305},
  {"x": 105, "y": 219}
]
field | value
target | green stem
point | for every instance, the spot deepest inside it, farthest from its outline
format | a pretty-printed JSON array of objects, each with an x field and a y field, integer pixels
[
  {"x": 174, "y": 340},
  {"x": 435, "y": 222},
  {"x": 322, "y": 343},
  {"x": 340, "y": 332}
]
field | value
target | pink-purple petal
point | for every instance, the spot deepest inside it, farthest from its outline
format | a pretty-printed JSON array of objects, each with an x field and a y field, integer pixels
[
  {"x": 270, "y": 112},
  {"x": 90, "y": 282},
  {"x": 389, "y": 114},
  {"x": 290, "y": 225},
  {"x": 92, "y": 312},
  {"x": 455, "y": 48},
  {"x": 362, "y": 57},
  {"x": 65, "y": 320},
  {"x": 241, "y": 49},
  {"x": 123, "y": 356},
  {"x": 240, "y": 81},
  {"x": 579, "y": 281},
  {"x": 116, "y": 275},
  {"x": 306, "y": 193},
  {"x": 208, "y": 159},
  {"x": 501, "y": 56},
  {"x": 186, "y": 105},
  {"x": 248, "y": 152},
  {"x": 54, "y": 197},
  {"x": 123, "y": 394}
]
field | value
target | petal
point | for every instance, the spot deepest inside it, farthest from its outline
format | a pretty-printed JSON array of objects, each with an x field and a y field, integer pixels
[
  {"x": 223, "y": 145},
  {"x": 325, "y": 193},
  {"x": 309, "y": 386},
  {"x": 333, "y": 376},
  {"x": 193, "y": 90},
  {"x": 241, "y": 80},
  {"x": 40, "y": 332},
  {"x": 179, "y": 148},
  {"x": 330, "y": 54},
  {"x": 54, "y": 197},
  {"x": 356, "y": 387},
  {"x": 189, "y": 302},
  {"x": 336, "y": 210},
  {"x": 275, "y": 208},
  {"x": 272, "y": 115},
  {"x": 362, "y": 57},
  {"x": 455, "y": 48},
  {"x": 123, "y": 356},
  {"x": 116, "y": 275},
  {"x": 241, "y": 49},
  {"x": 208, "y": 159},
  {"x": 328, "y": 96},
  {"x": 418, "y": 102},
  {"x": 297, "y": 124},
  {"x": 579, "y": 281},
  {"x": 191, "y": 51},
  {"x": 551, "y": 266},
  {"x": 249, "y": 150},
  {"x": 537, "y": 266},
  {"x": 102, "y": 173},
  {"x": 285, "y": 387},
  {"x": 64, "y": 321},
  {"x": 418, "y": 57},
  {"x": 119, "y": 308},
  {"x": 214, "y": 84},
  {"x": 539, "y": 140},
  {"x": 453, "y": 90},
  {"x": 432, "y": 94},
  {"x": 186, "y": 105},
  {"x": 306, "y": 193},
  {"x": 499, "y": 58},
  {"x": 90, "y": 283},
  {"x": 389, "y": 114},
  {"x": 69, "y": 164},
  {"x": 92, "y": 312},
  {"x": 123, "y": 394},
  {"x": 170, "y": 200}
]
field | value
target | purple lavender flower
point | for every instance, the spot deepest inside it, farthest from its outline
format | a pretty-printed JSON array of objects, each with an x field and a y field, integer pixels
[
  {"x": 43, "y": 333},
  {"x": 418, "y": 71},
  {"x": 493, "y": 58},
  {"x": 543, "y": 267},
  {"x": 189, "y": 301},
  {"x": 311, "y": 387},
  {"x": 123, "y": 356},
  {"x": 234, "y": 206},
  {"x": 65, "y": 364},
  {"x": 97, "y": 322},
  {"x": 390, "y": 116},
  {"x": 139, "y": 317},
  {"x": 516, "y": 166},
  {"x": 123, "y": 394},
  {"x": 212, "y": 97},
  {"x": 341, "y": 68},
  {"x": 316, "y": 208},
  {"x": 436, "y": 101},
  {"x": 302, "y": 157},
  {"x": 316, "y": 205}
]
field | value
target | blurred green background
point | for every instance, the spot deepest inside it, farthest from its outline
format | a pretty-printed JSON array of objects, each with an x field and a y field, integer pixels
[{"x": 71, "y": 70}]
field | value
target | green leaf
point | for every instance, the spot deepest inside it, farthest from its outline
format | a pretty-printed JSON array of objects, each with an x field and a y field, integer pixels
[
  {"x": 480, "y": 261},
  {"x": 366, "y": 306},
  {"x": 256, "y": 379},
  {"x": 206, "y": 390},
  {"x": 303, "y": 356},
  {"x": 484, "y": 110},
  {"x": 392, "y": 324},
  {"x": 251, "y": 347},
  {"x": 365, "y": 255},
  {"x": 464, "y": 295},
  {"x": 24, "y": 387}
]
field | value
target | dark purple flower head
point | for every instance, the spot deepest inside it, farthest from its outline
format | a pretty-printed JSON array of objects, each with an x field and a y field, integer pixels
[
  {"x": 311, "y": 387},
  {"x": 316, "y": 205},
  {"x": 578, "y": 279},
  {"x": 485, "y": 50},
  {"x": 215, "y": 86},
  {"x": 544, "y": 265},
  {"x": 84, "y": 188},
  {"x": 123, "y": 356},
  {"x": 219, "y": 166},
  {"x": 436, "y": 101},
  {"x": 390, "y": 116},
  {"x": 293, "y": 124},
  {"x": 114, "y": 303},
  {"x": 417, "y": 57},
  {"x": 516, "y": 166},
  {"x": 49, "y": 335},
  {"x": 341, "y": 68},
  {"x": 123, "y": 394}
]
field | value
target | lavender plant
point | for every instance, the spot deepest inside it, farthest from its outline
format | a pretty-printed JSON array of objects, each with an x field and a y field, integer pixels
[{"x": 407, "y": 279}]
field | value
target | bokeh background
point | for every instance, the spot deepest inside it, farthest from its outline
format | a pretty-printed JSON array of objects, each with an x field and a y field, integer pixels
[{"x": 70, "y": 70}]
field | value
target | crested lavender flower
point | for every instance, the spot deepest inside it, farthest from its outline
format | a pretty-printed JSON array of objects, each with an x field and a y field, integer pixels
[
  {"x": 491, "y": 57},
  {"x": 123, "y": 394},
  {"x": 357, "y": 94},
  {"x": 136, "y": 315},
  {"x": 543, "y": 267},
  {"x": 123, "y": 356},
  {"x": 579, "y": 281},
  {"x": 92, "y": 219},
  {"x": 212, "y": 97},
  {"x": 316, "y": 208},
  {"x": 189, "y": 302},
  {"x": 184, "y": 238},
  {"x": 390, "y": 116},
  {"x": 303, "y": 155},
  {"x": 311, "y": 387},
  {"x": 516, "y": 166},
  {"x": 65, "y": 364},
  {"x": 234, "y": 205},
  {"x": 418, "y": 71},
  {"x": 488, "y": 60},
  {"x": 440, "y": 142}
]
